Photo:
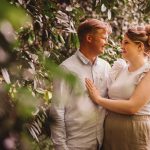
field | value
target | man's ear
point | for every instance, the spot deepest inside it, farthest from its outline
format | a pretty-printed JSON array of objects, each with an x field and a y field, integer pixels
[{"x": 89, "y": 38}]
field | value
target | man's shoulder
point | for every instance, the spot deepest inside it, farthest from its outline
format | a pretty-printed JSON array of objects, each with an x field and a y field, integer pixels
[
  {"x": 69, "y": 61},
  {"x": 102, "y": 62},
  {"x": 103, "y": 66}
]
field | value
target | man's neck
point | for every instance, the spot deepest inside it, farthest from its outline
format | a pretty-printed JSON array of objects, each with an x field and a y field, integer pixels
[{"x": 87, "y": 53}]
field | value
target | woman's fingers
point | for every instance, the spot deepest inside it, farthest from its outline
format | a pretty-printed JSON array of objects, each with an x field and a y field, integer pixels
[
  {"x": 91, "y": 88},
  {"x": 89, "y": 83},
  {"x": 88, "y": 87}
]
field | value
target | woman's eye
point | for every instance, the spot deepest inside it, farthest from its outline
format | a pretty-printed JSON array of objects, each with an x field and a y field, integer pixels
[{"x": 125, "y": 42}]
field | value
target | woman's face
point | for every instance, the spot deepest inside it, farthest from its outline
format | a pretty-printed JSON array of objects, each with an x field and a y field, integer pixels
[{"x": 130, "y": 49}]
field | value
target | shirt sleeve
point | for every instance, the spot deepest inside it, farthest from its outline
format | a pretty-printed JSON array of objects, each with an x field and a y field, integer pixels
[
  {"x": 142, "y": 74},
  {"x": 57, "y": 112}
]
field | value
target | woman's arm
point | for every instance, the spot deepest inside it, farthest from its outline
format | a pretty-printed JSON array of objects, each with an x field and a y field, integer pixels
[{"x": 139, "y": 98}]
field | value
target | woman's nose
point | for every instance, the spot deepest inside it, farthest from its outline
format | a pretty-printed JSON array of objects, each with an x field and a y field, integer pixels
[{"x": 121, "y": 45}]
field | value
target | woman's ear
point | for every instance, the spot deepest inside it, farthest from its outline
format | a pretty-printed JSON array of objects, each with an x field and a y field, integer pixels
[{"x": 141, "y": 46}]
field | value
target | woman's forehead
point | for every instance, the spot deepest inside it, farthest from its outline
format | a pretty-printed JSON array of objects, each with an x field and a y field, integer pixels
[{"x": 126, "y": 37}]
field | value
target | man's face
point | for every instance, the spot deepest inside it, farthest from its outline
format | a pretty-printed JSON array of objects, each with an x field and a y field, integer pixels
[{"x": 98, "y": 41}]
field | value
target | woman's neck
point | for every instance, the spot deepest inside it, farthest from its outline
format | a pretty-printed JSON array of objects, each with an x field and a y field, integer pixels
[{"x": 136, "y": 63}]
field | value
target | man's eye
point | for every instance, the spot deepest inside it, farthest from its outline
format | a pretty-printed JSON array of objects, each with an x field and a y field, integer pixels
[{"x": 103, "y": 38}]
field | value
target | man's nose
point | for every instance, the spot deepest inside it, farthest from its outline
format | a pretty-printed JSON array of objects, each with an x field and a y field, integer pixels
[{"x": 106, "y": 43}]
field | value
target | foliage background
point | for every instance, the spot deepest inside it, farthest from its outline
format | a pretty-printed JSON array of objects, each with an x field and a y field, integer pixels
[{"x": 36, "y": 36}]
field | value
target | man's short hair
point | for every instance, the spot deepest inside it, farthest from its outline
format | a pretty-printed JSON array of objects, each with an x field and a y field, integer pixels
[{"x": 92, "y": 25}]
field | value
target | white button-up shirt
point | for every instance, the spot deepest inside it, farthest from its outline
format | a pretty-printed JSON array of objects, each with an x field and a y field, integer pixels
[{"x": 78, "y": 121}]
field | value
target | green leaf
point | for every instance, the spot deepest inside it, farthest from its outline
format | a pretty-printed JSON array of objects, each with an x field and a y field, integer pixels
[
  {"x": 25, "y": 103},
  {"x": 15, "y": 15}
]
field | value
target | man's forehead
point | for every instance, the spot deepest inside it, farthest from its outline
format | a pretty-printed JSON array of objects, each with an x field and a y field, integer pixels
[{"x": 101, "y": 31}]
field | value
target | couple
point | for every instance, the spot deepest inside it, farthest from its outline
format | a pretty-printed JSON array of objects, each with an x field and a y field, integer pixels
[{"x": 80, "y": 111}]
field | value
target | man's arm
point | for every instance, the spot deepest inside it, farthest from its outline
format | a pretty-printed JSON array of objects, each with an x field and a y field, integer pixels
[{"x": 57, "y": 111}]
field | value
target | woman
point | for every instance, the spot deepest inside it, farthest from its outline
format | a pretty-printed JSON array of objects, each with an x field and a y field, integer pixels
[{"x": 127, "y": 125}]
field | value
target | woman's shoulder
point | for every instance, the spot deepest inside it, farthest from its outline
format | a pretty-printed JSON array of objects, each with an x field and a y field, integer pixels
[
  {"x": 145, "y": 70},
  {"x": 119, "y": 64},
  {"x": 117, "y": 67}
]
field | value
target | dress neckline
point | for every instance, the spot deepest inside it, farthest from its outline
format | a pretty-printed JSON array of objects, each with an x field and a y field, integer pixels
[{"x": 137, "y": 70}]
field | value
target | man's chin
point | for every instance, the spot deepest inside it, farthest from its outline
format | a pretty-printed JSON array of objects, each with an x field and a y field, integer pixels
[{"x": 101, "y": 51}]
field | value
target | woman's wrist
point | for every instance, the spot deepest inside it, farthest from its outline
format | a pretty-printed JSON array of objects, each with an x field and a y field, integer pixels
[{"x": 98, "y": 100}]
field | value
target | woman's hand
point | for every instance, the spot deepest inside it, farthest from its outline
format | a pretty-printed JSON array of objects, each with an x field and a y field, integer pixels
[{"x": 93, "y": 91}]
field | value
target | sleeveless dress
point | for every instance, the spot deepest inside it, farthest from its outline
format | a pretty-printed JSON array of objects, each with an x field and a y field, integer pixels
[{"x": 126, "y": 132}]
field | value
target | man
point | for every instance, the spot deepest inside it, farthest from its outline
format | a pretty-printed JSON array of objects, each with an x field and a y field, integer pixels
[{"x": 79, "y": 122}]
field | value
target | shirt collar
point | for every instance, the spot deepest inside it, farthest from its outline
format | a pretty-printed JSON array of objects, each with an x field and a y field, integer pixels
[{"x": 84, "y": 59}]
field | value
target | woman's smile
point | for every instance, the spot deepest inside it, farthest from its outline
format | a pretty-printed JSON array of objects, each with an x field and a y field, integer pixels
[{"x": 123, "y": 51}]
